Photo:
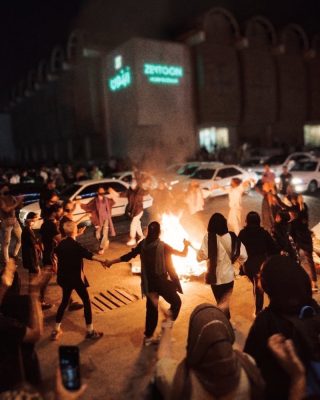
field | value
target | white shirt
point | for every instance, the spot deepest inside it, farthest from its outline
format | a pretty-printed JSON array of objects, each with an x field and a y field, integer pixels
[
  {"x": 224, "y": 271},
  {"x": 235, "y": 196}
]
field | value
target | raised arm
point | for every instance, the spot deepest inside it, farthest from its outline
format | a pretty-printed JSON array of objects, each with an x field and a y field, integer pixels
[{"x": 175, "y": 252}]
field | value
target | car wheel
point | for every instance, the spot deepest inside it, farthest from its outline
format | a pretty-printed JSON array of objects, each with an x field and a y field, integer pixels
[{"x": 313, "y": 187}]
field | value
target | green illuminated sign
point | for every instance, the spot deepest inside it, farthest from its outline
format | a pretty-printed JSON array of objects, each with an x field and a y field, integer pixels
[
  {"x": 163, "y": 73},
  {"x": 121, "y": 80}
]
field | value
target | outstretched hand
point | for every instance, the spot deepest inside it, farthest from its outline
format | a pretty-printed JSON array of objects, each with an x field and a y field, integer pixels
[{"x": 186, "y": 242}]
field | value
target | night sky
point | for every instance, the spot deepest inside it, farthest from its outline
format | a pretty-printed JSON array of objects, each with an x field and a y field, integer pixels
[{"x": 29, "y": 29}]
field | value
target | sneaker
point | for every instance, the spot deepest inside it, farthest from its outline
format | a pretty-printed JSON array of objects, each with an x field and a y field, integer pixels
[
  {"x": 132, "y": 242},
  {"x": 101, "y": 251},
  {"x": 74, "y": 306},
  {"x": 149, "y": 341},
  {"x": 55, "y": 334},
  {"x": 94, "y": 335},
  {"x": 46, "y": 306}
]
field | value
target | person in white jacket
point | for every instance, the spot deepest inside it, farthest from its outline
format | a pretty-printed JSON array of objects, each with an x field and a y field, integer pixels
[{"x": 221, "y": 249}]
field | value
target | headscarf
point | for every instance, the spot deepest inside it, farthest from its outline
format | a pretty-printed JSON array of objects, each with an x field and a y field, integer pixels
[
  {"x": 210, "y": 356},
  {"x": 218, "y": 226},
  {"x": 286, "y": 283}
]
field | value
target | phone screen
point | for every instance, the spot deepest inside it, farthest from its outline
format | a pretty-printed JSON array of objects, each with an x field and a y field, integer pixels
[{"x": 70, "y": 367}]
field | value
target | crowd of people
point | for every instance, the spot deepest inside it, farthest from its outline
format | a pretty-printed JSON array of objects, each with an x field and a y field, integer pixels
[{"x": 281, "y": 356}]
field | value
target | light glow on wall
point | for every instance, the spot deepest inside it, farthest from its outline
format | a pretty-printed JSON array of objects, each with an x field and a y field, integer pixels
[
  {"x": 121, "y": 80},
  {"x": 164, "y": 74}
]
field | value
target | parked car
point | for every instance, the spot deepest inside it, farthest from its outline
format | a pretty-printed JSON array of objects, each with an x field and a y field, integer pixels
[
  {"x": 127, "y": 177},
  {"x": 277, "y": 162},
  {"x": 30, "y": 192},
  {"x": 85, "y": 191},
  {"x": 207, "y": 175},
  {"x": 305, "y": 175}
]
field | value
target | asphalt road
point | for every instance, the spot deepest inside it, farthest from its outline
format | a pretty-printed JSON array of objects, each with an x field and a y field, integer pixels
[{"x": 118, "y": 366}]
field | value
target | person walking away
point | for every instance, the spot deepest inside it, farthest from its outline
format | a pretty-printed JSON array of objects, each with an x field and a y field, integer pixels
[
  {"x": 285, "y": 181},
  {"x": 259, "y": 246},
  {"x": 70, "y": 276},
  {"x": 281, "y": 234},
  {"x": 50, "y": 236},
  {"x": 9, "y": 223},
  {"x": 68, "y": 210},
  {"x": 221, "y": 249},
  {"x": 101, "y": 217},
  {"x": 156, "y": 269}
]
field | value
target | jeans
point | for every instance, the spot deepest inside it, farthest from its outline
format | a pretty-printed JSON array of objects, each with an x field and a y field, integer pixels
[
  {"x": 102, "y": 235},
  {"x": 167, "y": 290},
  {"x": 222, "y": 293},
  {"x": 7, "y": 231},
  {"x": 135, "y": 226},
  {"x": 84, "y": 296}
]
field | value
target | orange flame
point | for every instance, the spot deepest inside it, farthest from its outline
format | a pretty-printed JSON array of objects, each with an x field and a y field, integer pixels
[{"x": 173, "y": 233}]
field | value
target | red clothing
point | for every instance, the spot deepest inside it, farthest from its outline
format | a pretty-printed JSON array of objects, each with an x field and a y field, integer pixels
[{"x": 99, "y": 214}]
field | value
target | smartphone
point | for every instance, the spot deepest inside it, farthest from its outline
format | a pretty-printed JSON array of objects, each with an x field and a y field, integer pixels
[{"x": 70, "y": 367}]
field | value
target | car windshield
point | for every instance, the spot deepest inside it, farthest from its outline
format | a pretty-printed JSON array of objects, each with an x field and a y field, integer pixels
[
  {"x": 205, "y": 173},
  {"x": 305, "y": 166},
  {"x": 276, "y": 160},
  {"x": 187, "y": 170},
  {"x": 69, "y": 190}
]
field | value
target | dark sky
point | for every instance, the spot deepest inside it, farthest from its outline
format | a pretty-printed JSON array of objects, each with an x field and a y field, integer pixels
[{"x": 29, "y": 29}]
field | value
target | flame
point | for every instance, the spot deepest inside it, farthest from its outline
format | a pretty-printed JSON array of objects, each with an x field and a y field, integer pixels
[{"x": 173, "y": 233}]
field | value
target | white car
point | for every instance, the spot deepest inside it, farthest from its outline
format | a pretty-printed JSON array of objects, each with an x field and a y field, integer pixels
[
  {"x": 208, "y": 175},
  {"x": 85, "y": 191},
  {"x": 277, "y": 162},
  {"x": 128, "y": 176},
  {"x": 305, "y": 176}
]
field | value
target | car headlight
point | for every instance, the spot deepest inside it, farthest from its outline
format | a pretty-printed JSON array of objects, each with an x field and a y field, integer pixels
[{"x": 297, "y": 181}]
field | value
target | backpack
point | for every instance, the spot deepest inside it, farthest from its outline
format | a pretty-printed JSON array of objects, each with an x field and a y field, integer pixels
[{"x": 306, "y": 338}]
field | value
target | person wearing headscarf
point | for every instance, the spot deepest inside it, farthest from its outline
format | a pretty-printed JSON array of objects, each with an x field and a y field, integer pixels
[
  {"x": 221, "y": 249},
  {"x": 158, "y": 276},
  {"x": 212, "y": 369},
  {"x": 259, "y": 246},
  {"x": 289, "y": 290},
  {"x": 281, "y": 234}
]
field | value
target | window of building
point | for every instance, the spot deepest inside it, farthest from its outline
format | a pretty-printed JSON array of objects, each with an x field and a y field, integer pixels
[
  {"x": 212, "y": 138},
  {"x": 312, "y": 135}
]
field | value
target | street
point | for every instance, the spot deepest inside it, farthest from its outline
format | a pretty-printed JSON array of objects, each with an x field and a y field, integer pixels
[{"x": 118, "y": 361}]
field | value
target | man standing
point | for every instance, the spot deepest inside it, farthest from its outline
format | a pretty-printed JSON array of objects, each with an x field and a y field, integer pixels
[
  {"x": 9, "y": 222},
  {"x": 48, "y": 196},
  {"x": 100, "y": 209},
  {"x": 285, "y": 180},
  {"x": 268, "y": 176},
  {"x": 71, "y": 277}
]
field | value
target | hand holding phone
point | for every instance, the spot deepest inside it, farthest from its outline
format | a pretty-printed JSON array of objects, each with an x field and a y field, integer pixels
[{"x": 70, "y": 367}]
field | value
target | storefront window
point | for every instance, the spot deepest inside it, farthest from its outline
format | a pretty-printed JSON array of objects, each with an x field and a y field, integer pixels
[
  {"x": 214, "y": 137},
  {"x": 312, "y": 135}
]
